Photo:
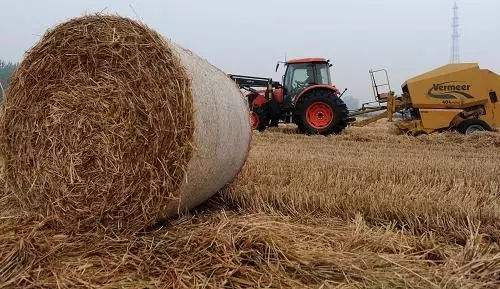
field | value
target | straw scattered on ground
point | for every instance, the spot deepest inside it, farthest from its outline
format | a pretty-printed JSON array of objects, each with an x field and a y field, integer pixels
[{"x": 366, "y": 209}]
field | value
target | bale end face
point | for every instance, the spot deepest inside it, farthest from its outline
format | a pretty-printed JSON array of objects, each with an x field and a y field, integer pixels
[{"x": 97, "y": 125}]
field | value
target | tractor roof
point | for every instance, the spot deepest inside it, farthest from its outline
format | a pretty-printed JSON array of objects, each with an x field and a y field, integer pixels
[{"x": 307, "y": 60}]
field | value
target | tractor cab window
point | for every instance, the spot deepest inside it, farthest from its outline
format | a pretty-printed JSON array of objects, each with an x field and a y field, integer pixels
[
  {"x": 323, "y": 73},
  {"x": 298, "y": 77}
]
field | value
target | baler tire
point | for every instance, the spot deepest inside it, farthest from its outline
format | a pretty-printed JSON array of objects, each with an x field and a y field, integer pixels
[{"x": 466, "y": 126}]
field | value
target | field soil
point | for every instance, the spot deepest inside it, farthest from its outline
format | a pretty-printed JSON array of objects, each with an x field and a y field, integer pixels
[{"x": 364, "y": 209}]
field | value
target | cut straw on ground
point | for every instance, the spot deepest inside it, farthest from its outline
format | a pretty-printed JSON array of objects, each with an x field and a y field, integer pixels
[{"x": 366, "y": 209}]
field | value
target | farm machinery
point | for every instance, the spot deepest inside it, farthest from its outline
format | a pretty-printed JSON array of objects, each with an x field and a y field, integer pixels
[
  {"x": 305, "y": 97},
  {"x": 460, "y": 97}
]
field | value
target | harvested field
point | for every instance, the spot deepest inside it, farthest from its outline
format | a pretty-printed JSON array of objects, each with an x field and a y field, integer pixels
[{"x": 366, "y": 209}]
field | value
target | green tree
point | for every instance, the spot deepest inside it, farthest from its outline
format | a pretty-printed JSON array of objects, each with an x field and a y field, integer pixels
[{"x": 6, "y": 71}]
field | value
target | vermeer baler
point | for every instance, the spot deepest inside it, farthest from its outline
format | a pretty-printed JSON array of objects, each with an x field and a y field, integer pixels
[{"x": 461, "y": 97}]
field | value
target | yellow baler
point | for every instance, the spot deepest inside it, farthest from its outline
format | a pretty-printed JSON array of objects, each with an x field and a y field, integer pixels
[{"x": 455, "y": 96}]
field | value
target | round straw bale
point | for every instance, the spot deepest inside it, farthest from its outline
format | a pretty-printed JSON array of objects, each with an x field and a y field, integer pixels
[
  {"x": 222, "y": 132},
  {"x": 98, "y": 126}
]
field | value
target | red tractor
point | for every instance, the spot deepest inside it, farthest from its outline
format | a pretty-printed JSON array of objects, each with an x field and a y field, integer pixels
[{"x": 306, "y": 97}]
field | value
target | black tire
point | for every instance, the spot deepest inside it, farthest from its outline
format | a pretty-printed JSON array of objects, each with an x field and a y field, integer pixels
[
  {"x": 263, "y": 119},
  {"x": 326, "y": 97},
  {"x": 469, "y": 126},
  {"x": 262, "y": 112}
]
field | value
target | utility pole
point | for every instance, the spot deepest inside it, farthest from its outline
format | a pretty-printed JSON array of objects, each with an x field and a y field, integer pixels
[{"x": 455, "y": 36}]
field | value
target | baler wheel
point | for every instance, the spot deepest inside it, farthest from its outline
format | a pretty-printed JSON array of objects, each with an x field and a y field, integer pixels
[{"x": 470, "y": 126}]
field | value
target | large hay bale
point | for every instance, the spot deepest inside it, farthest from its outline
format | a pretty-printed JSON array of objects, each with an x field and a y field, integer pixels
[{"x": 108, "y": 124}]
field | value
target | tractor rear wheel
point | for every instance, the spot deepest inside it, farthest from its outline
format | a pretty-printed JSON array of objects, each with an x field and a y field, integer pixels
[{"x": 321, "y": 112}]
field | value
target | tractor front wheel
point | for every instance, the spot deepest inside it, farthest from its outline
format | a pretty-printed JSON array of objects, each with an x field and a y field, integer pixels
[
  {"x": 321, "y": 112},
  {"x": 258, "y": 121}
]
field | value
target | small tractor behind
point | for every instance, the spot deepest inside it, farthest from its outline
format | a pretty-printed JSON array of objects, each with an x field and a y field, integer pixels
[{"x": 305, "y": 97}]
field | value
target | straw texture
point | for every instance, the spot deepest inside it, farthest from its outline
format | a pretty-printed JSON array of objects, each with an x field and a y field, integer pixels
[
  {"x": 97, "y": 126},
  {"x": 365, "y": 209}
]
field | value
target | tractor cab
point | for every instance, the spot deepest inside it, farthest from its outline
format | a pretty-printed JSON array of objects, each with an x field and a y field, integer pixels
[{"x": 303, "y": 73}]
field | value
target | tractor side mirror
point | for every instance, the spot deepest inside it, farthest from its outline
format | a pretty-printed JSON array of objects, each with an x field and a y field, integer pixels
[
  {"x": 329, "y": 63},
  {"x": 277, "y": 66}
]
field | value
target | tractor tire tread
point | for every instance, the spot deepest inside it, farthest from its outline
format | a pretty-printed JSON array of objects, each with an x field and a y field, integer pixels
[{"x": 341, "y": 112}]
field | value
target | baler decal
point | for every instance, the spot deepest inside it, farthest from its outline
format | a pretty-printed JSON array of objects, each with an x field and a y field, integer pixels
[{"x": 450, "y": 90}]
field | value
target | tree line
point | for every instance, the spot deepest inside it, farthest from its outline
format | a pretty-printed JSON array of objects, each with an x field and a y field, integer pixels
[{"x": 6, "y": 71}]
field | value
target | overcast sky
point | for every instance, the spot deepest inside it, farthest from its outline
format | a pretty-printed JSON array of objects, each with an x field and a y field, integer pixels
[{"x": 248, "y": 37}]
